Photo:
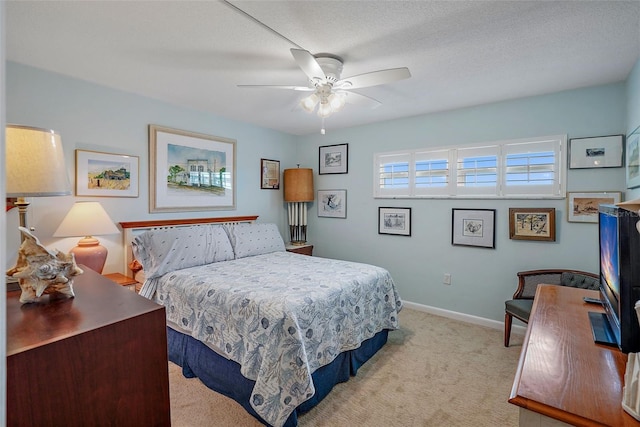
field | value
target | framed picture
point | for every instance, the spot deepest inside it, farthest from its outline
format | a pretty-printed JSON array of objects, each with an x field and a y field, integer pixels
[
  {"x": 269, "y": 174},
  {"x": 394, "y": 221},
  {"x": 473, "y": 227},
  {"x": 583, "y": 207},
  {"x": 633, "y": 159},
  {"x": 333, "y": 159},
  {"x": 332, "y": 203},
  {"x": 190, "y": 171},
  {"x": 106, "y": 175},
  {"x": 532, "y": 224},
  {"x": 596, "y": 152}
]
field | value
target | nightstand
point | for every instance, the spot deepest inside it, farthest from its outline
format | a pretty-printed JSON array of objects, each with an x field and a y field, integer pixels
[
  {"x": 300, "y": 249},
  {"x": 122, "y": 280}
]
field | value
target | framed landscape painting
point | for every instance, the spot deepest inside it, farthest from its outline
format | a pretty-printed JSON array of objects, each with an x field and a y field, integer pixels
[
  {"x": 583, "y": 207},
  {"x": 106, "y": 175},
  {"x": 532, "y": 224},
  {"x": 596, "y": 152},
  {"x": 633, "y": 159},
  {"x": 189, "y": 171},
  {"x": 333, "y": 159},
  {"x": 394, "y": 221}
]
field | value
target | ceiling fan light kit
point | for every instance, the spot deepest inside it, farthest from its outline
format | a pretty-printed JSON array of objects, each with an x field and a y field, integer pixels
[{"x": 330, "y": 92}]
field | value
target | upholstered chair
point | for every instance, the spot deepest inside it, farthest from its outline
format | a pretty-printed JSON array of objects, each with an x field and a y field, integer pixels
[{"x": 528, "y": 281}]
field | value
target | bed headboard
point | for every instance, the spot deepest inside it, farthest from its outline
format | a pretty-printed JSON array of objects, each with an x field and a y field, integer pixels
[{"x": 131, "y": 229}]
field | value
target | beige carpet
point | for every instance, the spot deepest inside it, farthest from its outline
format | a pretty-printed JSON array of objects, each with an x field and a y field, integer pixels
[{"x": 433, "y": 371}]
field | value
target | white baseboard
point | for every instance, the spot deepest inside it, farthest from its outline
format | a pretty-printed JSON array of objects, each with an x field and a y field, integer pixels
[{"x": 494, "y": 324}]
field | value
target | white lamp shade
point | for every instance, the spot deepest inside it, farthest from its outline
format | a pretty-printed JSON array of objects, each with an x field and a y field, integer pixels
[
  {"x": 35, "y": 163},
  {"x": 86, "y": 219}
]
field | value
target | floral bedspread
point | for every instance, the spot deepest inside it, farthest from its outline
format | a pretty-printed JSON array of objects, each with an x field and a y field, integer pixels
[{"x": 281, "y": 316}]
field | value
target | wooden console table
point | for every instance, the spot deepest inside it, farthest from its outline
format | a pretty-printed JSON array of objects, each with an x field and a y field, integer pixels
[
  {"x": 562, "y": 374},
  {"x": 97, "y": 359}
]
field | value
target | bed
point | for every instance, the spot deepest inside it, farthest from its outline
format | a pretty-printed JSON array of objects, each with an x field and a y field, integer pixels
[{"x": 273, "y": 330}]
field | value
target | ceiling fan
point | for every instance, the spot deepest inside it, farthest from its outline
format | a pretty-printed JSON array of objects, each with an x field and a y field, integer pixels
[{"x": 330, "y": 91}]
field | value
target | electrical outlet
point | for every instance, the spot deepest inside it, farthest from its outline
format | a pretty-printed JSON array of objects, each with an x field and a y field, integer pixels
[{"x": 447, "y": 279}]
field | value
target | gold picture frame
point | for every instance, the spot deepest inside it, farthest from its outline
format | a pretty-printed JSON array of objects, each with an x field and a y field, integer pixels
[{"x": 532, "y": 224}]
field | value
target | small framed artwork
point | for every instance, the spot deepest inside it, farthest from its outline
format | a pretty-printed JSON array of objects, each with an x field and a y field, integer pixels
[
  {"x": 333, "y": 159},
  {"x": 532, "y": 224},
  {"x": 332, "y": 203},
  {"x": 583, "y": 207},
  {"x": 473, "y": 227},
  {"x": 190, "y": 171},
  {"x": 596, "y": 152},
  {"x": 633, "y": 159},
  {"x": 106, "y": 175},
  {"x": 269, "y": 174},
  {"x": 394, "y": 221}
]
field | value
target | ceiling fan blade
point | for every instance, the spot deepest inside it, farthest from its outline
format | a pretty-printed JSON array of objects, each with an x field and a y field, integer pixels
[
  {"x": 362, "y": 100},
  {"x": 307, "y": 62},
  {"x": 296, "y": 88},
  {"x": 373, "y": 78}
]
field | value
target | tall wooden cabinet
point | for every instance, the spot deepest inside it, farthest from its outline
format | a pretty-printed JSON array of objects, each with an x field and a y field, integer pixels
[{"x": 97, "y": 359}]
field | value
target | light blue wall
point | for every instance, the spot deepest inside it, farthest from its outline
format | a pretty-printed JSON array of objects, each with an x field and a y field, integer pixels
[
  {"x": 633, "y": 112},
  {"x": 93, "y": 117},
  {"x": 481, "y": 278}
]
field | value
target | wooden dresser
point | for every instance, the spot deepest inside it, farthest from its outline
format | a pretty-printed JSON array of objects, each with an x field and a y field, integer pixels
[
  {"x": 563, "y": 376},
  {"x": 97, "y": 359}
]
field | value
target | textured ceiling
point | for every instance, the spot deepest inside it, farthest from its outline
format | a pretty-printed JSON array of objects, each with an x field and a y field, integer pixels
[{"x": 460, "y": 53}]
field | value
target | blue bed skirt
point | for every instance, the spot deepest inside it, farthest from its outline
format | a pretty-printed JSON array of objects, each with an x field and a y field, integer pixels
[{"x": 223, "y": 375}]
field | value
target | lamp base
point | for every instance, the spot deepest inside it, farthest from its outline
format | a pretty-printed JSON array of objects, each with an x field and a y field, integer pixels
[{"x": 90, "y": 253}]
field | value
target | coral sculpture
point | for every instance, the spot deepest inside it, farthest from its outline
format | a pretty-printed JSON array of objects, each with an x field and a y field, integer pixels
[{"x": 41, "y": 271}]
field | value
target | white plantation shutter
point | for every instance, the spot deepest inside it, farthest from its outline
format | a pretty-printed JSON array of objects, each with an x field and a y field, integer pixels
[
  {"x": 524, "y": 168},
  {"x": 391, "y": 174},
  {"x": 432, "y": 173}
]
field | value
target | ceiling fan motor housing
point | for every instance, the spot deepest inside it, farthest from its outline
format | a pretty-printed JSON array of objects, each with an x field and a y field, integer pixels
[{"x": 331, "y": 65}]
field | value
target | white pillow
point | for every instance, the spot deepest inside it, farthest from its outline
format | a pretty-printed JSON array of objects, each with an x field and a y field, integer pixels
[
  {"x": 164, "y": 250},
  {"x": 255, "y": 239}
]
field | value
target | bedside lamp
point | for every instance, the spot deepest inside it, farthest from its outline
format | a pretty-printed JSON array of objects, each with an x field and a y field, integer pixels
[
  {"x": 87, "y": 219},
  {"x": 298, "y": 190},
  {"x": 34, "y": 166}
]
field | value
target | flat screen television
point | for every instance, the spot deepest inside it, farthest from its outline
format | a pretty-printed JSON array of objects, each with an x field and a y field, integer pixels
[{"x": 619, "y": 279}]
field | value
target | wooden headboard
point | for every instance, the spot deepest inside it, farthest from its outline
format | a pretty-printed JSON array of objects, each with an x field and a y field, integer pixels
[{"x": 131, "y": 229}]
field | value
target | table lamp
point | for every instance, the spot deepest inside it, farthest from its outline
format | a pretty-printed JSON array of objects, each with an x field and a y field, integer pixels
[
  {"x": 87, "y": 219},
  {"x": 34, "y": 166},
  {"x": 298, "y": 190}
]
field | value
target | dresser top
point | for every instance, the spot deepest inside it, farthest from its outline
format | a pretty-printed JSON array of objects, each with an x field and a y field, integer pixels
[{"x": 98, "y": 302}]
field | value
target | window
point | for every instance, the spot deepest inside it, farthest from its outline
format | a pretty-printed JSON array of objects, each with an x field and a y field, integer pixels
[{"x": 520, "y": 168}]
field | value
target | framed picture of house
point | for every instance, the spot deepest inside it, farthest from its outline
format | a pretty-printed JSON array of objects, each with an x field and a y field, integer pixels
[
  {"x": 473, "y": 227},
  {"x": 596, "y": 152},
  {"x": 332, "y": 203},
  {"x": 333, "y": 159},
  {"x": 633, "y": 159},
  {"x": 583, "y": 207},
  {"x": 106, "y": 174},
  {"x": 269, "y": 174},
  {"x": 532, "y": 224},
  {"x": 394, "y": 221},
  {"x": 190, "y": 171}
]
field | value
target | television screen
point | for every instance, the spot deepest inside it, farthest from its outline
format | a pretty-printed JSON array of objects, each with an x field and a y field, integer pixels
[
  {"x": 619, "y": 279},
  {"x": 609, "y": 261}
]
